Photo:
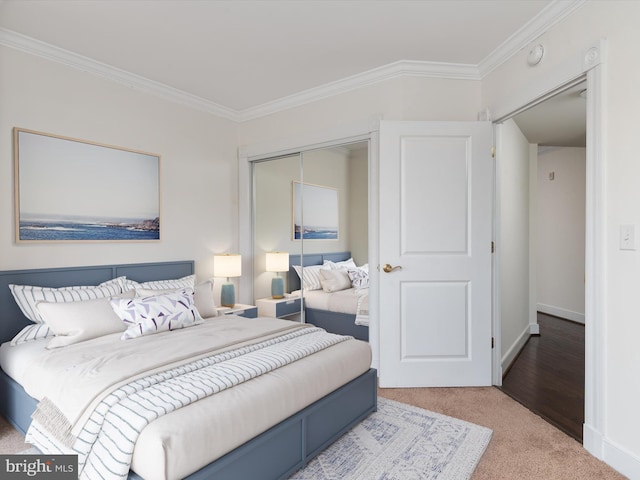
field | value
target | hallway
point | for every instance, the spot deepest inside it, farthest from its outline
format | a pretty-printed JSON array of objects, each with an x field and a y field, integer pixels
[{"x": 547, "y": 377}]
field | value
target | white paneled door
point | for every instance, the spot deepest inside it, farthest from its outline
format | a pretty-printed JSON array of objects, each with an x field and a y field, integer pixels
[{"x": 435, "y": 253}]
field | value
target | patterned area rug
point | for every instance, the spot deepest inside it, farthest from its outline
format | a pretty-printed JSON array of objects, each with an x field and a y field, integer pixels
[{"x": 402, "y": 442}]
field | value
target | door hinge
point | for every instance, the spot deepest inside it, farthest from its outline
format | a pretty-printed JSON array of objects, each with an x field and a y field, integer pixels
[
  {"x": 493, "y": 151},
  {"x": 493, "y": 247},
  {"x": 492, "y": 342}
]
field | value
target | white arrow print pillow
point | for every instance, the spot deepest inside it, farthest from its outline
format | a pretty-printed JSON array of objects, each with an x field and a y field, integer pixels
[{"x": 155, "y": 314}]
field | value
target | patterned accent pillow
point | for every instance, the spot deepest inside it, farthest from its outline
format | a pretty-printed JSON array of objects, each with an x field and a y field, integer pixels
[
  {"x": 343, "y": 264},
  {"x": 155, "y": 314},
  {"x": 310, "y": 276},
  {"x": 335, "y": 280},
  {"x": 27, "y": 296},
  {"x": 32, "y": 332},
  {"x": 359, "y": 276},
  {"x": 174, "y": 284}
]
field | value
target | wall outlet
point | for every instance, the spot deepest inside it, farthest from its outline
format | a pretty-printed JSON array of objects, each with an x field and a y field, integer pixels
[{"x": 627, "y": 237}]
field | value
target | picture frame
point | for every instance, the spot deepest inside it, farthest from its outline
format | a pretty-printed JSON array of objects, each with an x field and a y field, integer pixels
[
  {"x": 315, "y": 212},
  {"x": 67, "y": 189}
]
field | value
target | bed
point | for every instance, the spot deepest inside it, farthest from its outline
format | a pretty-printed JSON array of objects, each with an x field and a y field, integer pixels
[
  {"x": 276, "y": 452},
  {"x": 322, "y": 313}
]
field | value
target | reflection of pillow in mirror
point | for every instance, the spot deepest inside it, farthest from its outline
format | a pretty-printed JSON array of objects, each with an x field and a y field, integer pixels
[
  {"x": 335, "y": 280},
  {"x": 359, "y": 276},
  {"x": 74, "y": 322},
  {"x": 343, "y": 264},
  {"x": 310, "y": 276}
]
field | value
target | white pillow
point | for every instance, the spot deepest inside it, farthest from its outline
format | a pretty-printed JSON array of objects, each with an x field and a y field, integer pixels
[
  {"x": 27, "y": 296},
  {"x": 359, "y": 276},
  {"x": 310, "y": 276},
  {"x": 74, "y": 322},
  {"x": 185, "y": 282},
  {"x": 202, "y": 297},
  {"x": 343, "y": 264},
  {"x": 159, "y": 313},
  {"x": 335, "y": 280},
  {"x": 32, "y": 332}
]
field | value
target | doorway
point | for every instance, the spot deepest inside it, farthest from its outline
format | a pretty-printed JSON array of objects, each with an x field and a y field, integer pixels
[{"x": 542, "y": 257}]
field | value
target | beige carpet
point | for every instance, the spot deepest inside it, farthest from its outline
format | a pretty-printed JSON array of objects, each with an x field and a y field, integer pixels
[{"x": 523, "y": 446}]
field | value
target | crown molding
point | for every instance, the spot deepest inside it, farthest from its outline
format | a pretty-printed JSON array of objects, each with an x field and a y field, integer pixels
[
  {"x": 401, "y": 68},
  {"x": 553, "y": 13},
  {"x": 44, "y": 50},
  {"x": 549, "y": 16}
]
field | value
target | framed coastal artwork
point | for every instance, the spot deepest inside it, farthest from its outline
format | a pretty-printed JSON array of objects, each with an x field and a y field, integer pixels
[
  {"x": 315, "y": 212},
  {"x": 68, "y": 189}
]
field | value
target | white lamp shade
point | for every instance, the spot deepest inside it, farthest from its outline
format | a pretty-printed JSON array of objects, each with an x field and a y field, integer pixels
[
  {"x": 277, "y": 262},
  {"x": 228, "y": 265}
]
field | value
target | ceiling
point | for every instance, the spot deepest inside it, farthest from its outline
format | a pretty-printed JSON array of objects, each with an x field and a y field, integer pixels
[
  {"x": 560, "y": 121},
  {"x": 245, "y": 58}
]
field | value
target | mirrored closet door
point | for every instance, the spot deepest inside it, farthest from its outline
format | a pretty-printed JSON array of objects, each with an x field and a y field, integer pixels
[{"x": 308, "y": 203}]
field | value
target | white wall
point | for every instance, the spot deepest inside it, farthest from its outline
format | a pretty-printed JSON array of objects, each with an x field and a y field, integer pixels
[
  {"x": 561, "y": 232},
  {"x": 199, "y": 213},
  {"x": 612, "y": 436},
  {"x": 405, "y": 98},
  {"x": 512, "y": 177}
]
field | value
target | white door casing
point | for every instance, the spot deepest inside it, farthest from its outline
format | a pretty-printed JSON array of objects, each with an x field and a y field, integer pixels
[{"x": 435, "y": 224}]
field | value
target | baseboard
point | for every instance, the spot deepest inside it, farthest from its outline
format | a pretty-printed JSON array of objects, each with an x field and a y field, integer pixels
[
  {"x": 510, "y": 355},
  {"x": 592, "y": 441},
  {"x": 561, "y": 312},
  {"x": 613, "y": 455}
]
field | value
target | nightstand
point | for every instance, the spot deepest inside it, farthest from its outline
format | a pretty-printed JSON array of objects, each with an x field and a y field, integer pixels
[
  {"x": 247, "y": 311},
  {"x": 279, "y": 307}
]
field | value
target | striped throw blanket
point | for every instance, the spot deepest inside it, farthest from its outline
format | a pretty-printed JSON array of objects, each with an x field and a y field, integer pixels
[{"x": 105, "y": 445}]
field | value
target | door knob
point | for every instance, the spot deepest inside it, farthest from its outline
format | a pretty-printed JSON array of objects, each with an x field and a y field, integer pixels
[{"x": 388, "y": 268}]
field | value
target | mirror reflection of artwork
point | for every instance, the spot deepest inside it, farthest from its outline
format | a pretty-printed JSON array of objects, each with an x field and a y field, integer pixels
[
  {"x": 68, "y": 189},
  {"x": 315, "y": 212}
]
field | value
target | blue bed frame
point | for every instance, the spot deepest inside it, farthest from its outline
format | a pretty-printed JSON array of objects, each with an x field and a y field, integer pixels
[
  {"x": 274, "y": 454},
  {"x": 336, "y": 322}
]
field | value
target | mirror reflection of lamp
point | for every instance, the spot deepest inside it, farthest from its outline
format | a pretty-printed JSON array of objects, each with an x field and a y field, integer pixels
[
  {"x": 277, "y": 262},
  {"x": 227, "y": 265}
]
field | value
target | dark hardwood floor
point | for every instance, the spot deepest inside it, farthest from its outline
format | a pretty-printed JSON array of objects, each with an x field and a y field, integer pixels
[{"x": 548, "y": 375}]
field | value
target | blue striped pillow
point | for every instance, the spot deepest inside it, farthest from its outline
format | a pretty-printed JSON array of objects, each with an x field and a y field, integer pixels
[
  {"x": 27, "y": 296},
  {"x": 32, "y": 332},
  {"x": 174, "y": 284}
]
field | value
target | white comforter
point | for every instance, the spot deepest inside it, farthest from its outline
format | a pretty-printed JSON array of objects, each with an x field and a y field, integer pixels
[{"x": 96, "y": 367}]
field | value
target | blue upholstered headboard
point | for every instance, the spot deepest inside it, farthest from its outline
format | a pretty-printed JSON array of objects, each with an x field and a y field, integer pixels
[
  {"x": 293, "y": 281},
  {"x": 12, "y": 319}
]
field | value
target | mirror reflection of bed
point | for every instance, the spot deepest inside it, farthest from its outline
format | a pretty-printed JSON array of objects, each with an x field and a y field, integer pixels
[
  {"x": 335, "y": 292},
  {"x": 343, "y": 169}
]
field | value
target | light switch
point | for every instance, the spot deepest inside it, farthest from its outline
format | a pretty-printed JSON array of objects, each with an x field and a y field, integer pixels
[
  {"x": 552, "y": 175},
  {"x": 627, "y": 237}
]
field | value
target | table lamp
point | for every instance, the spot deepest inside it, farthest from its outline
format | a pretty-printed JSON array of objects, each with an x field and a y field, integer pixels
[
  {"x": 227, "y": 265},
  {"x": 277, "y": 262}
]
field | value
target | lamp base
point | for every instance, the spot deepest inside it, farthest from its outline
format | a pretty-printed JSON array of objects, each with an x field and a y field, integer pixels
[
  {"x": 228, "y": 295},
  {"x": 277, "y": 287}
]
